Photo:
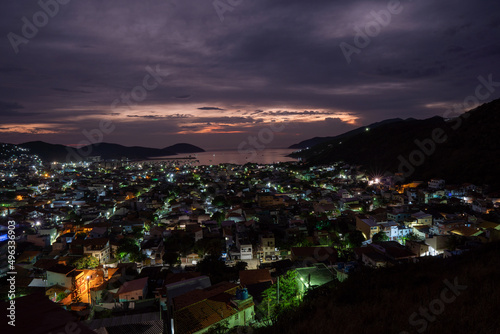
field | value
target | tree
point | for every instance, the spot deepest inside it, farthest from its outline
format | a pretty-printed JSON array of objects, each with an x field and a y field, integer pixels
[
  {"x": 380, "y": 236},
  {"x": 80, "y": 236},
  {"x": 128, "y": 247},
  {"x": 72, "y": 216},
  {"x": 220, "y": 327},
  {"x": 61, "y": 295},
  {"x": 454, "y": 241},
  {"x": 240, "y": 265},
  {"x": 171, "y": 258},
  {"x": 86, "y": 262},
  {"x": 288, "y": 294},
  {"x": 137, "y": 257},
  {"x": 412, "y": 237},
  {"x": 180, "y": 242},
  {"x": 218, "y": 216},
  {"x": 215, "y": 268},
  {"x": 355, "y": 239},
  {"x": 137, "y": 232},
  {"x": 211, "y": 246},
  {"x": 219, "y": 201}
]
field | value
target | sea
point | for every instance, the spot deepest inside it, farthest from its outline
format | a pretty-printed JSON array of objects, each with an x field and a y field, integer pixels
[{"x": 265, "y": 156}]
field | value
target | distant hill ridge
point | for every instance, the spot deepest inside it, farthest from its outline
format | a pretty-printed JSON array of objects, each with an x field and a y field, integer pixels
[
  {"x": 319, "y": 140},
  {"x": 467, "y": 150},
  {"x": 62, "y": 153}
]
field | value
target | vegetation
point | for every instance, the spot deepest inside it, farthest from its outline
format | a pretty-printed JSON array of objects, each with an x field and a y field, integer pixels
[
  {"x": 212, "y": 246},
  {"x": 214, "y": 267},
  {"x": 171, "y": 258},
  {"x": 289, "y": 296},
  {"x": 80, "y": 236},
  {"x": 222, "y": 327},
  {"x": 218, "y": 216},
  {"x": 129, "y": 248},
  {"x": 61, "y": 295},
  {"x": 380, "y": 236},
  {"x": 180, "y": 242},
  {"x": 219, "y": 201},
  {"x": 384, "y": 300},
  {"x": 86, "y": 262},
  {"x": 355, "y": 239},
  {"x": 412, "y": 237}
]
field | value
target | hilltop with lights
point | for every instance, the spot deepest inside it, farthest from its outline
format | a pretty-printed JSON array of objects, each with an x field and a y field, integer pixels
[{"x": 467, "y": 148}]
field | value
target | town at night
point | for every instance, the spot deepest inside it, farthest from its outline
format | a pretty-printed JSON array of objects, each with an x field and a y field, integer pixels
[{"x": 235, "y": 166}]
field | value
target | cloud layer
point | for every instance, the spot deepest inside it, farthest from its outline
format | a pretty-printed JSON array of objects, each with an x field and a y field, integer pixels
[{"x": 265, "y": 61}]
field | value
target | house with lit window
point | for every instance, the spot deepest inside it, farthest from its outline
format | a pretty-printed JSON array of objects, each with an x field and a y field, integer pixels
[
  {"x": 246, "y": 251},
  {"x": 436, "y": 183},
  {"x": 367, "y": 225},
  {"x": 98, "y": 247},
  {"x": 154, "y": 251},
  {"x": 266, "y": 250},
  {"x": 421, "y": 218},
  {"x": 390, "y": 228},
  {"x": 67, "y": 277},
  {"x": 59, "y": 274}
]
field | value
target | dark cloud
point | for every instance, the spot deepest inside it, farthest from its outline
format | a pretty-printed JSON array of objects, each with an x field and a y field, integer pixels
[
  {"x": 210, "y": 108},
  {"x": 305, "y": 112},
  {"x": 11, "y": 110},
  {"x": 7, "y": 70},
  {"x": 179, "y": 116},
  {"x": 70, "y": 90},
  {"x": 6, "y": 107},
  {"x": 268, "y": 59}
]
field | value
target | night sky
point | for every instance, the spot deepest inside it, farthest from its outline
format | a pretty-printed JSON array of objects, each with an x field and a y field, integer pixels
[{"x": 226, "y": 71}]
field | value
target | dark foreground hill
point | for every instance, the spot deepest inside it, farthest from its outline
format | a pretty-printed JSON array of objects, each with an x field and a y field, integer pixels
[
  {"x": 455, "y": 295},
  {"x": 462, "y": 149},
  {"x": 54, "y": 152}
]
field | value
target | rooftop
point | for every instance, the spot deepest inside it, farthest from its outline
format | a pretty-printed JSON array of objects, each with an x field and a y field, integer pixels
[{"x": 134, "y": 285}]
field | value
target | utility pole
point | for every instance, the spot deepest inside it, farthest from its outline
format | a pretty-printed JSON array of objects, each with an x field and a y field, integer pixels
[{"x": 278, "y": 294}]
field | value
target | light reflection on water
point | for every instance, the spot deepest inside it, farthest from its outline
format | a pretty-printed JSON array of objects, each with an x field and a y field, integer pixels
[{"x": 267, "y": 156}]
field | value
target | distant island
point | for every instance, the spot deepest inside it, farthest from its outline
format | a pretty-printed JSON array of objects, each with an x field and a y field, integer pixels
[{"x": 61, "y": 153}]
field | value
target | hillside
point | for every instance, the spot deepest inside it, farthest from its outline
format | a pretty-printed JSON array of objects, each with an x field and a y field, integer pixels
[
  {"x": 319, "y": 140},
  {"x": 384, "y": 300},
  {"x": 61, "y": 153},
  {"x": 470, "y": 152}
]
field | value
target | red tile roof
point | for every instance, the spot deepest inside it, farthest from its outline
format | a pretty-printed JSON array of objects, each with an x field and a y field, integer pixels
[
  {"x": 195, "y": 296},
  {"x": 209, "y": 311},
  {"x": 134, "y": 285}
]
